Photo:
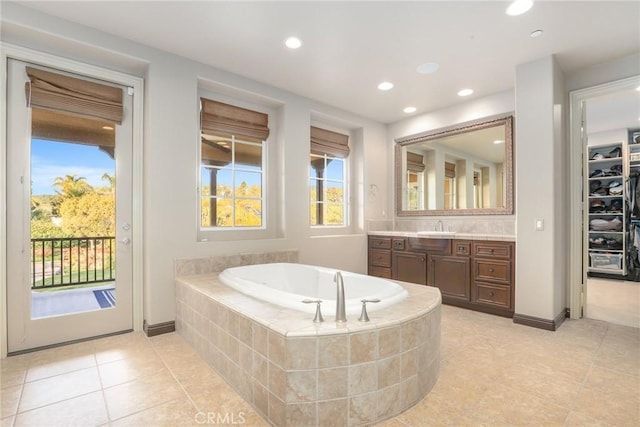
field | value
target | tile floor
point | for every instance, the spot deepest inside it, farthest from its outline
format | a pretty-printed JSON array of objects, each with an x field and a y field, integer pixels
[{"x": 493, "y": 373}]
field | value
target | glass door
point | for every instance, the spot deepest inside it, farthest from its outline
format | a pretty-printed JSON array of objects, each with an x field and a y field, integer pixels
[{"x": 69, "y": 258}]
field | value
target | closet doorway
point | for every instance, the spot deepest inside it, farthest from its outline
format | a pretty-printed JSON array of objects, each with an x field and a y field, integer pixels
[{"x": 604, "y": 262}]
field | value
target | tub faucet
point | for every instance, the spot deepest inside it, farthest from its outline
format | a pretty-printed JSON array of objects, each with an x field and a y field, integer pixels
[
  {"x": 439, "y": 226},
  {"x": 341, "y": 315}
]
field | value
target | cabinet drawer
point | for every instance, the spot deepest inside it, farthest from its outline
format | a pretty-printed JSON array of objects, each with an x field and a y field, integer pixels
[
  {"x": 379, "y": 258},
  {"x": 498, "y": 271},
  {"x": 380, "y": 242},
  {"x": 399, "y": 244},
  {"x": 492, "y": 250},
  {"x": 380, "y": 272},
  {"x": 493, "y": 295},
  {"x": 461, "y": 248},
  {"x": 432, "y": 246}
]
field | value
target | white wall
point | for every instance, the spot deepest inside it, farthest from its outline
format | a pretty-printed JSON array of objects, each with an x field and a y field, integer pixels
[
  {"x": 540, "y": 255},
  {"x": 499, "y": 103},
  {"x": 171, "y": 146}
]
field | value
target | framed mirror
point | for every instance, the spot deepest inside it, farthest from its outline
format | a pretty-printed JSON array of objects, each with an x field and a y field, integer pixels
[{"x": 465, "y": 169}]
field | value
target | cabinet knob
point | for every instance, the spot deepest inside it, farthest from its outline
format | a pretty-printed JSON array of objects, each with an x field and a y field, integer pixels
[
  {"x": 491, "y": 294},
  {"x": 491, "y": 250},
  {"x": 491, "y": 270}
]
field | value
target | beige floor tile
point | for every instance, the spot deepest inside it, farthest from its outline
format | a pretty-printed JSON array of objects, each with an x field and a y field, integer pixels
[
  {"x": 7, "y": 421},
  {"x": 613, "y": 410},
  {"x": 140, "y": 394},
  {"x": 211, "y": 394},
  {"x": 179, "y": 412},
  {"x": 433, "y": 410},
  {"x": 187, "y": 366},
  {"x": 549, "y": 387},
  {"x": 123, "y": 350},
  {"x": 124, "y": 370},
  {"x": 614, "y": 383},
  {"x": 61, "y": 387},
  {"x": 577, "y": 419},
  {"x": 503, "y": 405},
  {"x": 81, "y": 411},
  {"x": 12, "y": 377},
  {"x": 46, "y": 368},
  {"x": 9, "y": 399}
]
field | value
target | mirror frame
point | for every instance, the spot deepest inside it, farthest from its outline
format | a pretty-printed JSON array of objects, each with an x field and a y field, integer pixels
[{"x": 506, "y": 120}]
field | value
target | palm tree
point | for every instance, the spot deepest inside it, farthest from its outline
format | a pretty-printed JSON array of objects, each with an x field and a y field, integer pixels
[{"x": 71, "y": 186}]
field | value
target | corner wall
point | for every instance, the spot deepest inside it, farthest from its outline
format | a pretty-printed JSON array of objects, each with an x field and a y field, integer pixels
[{"x": 171, "y": 147}]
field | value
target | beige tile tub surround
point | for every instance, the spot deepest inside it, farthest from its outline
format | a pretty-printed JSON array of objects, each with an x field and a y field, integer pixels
[{"x": 295, "y": 372}]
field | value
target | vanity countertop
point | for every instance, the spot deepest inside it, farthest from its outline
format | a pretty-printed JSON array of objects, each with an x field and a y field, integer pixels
[{"x": 463, "y": 236}]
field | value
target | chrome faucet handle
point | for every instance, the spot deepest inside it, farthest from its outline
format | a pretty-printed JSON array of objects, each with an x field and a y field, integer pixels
[
  {"x": 318, "y": 317},
  {"x": 364, "y": 317}
]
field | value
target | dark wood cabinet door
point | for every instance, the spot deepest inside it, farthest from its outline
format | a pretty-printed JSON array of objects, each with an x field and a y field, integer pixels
[
  {"x": 451, "y": 275},
  {"x": 409, "y": 267}
]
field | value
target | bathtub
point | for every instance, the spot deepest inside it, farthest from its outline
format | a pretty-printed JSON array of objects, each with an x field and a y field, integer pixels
[{"x": 287, "y": 284}]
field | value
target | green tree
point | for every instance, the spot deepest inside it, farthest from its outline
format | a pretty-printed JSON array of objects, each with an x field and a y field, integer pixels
[
  {"x": 71, "y": 186},
  {"x": 90, "y": 215}
]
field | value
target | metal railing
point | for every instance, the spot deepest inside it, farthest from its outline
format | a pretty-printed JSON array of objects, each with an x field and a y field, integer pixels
[{"x": 59, "y": 262}]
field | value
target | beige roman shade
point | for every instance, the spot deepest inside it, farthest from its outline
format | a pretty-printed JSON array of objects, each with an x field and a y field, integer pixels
[
  {"x": 66, "y": 94},
  {"x": 415, "y": 162},
  {"x": 327, "y": 142},
  {"x": 217, "y": 118},
  {"x": 449, "y": 170}
]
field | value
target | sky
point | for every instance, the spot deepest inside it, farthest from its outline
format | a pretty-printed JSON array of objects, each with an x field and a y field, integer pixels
[{"x": 51, "y": 159}]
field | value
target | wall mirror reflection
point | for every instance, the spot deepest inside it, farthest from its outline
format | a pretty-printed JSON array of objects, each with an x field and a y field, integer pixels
[{"x": 461, "y": 170}]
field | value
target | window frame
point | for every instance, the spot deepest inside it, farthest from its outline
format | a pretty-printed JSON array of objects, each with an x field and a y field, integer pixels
[
  {"x": 320, "y": 229},
  {"x": 268, "y": 229}
]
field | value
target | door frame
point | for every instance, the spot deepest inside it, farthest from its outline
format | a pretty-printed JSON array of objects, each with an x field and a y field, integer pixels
[
  {"x": 578, "y": 212},
  {"x": 137, "y": 83}
]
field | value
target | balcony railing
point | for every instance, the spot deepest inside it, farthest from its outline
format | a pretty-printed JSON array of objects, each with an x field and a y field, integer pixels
[{"x": 72, "y": 261}]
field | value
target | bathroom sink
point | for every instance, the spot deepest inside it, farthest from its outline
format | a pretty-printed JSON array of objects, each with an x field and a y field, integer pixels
[{"x": 434, "y": 233}]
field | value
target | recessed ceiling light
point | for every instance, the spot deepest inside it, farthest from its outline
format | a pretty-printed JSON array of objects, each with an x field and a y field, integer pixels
[
  {"x": 638, "y": 88},
  {"x": 427, "y": 68},
  {"x": 107, "y": 127},
  {"x": 385, "y": 86},
  {"x": 293, "y": 42},
  {"x": 410, "y": 110},
  {"x": 465, "y": 92},
  {"x": 536, "y": 33},
  {"x": 518, "y": 7},
  {"x": 498, "y": 141}
]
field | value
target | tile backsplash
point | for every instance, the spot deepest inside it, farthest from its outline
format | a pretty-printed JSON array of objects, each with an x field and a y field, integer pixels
[
  {"x": 217, "y": 263},
  {"x": 469, "y": 225}
]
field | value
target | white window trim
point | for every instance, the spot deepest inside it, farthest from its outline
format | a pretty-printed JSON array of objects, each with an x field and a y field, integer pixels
[
  {"x": 137, "y": 83},
  {"x": 268, "y": 230},
  {"x": 349, "y": 189}
]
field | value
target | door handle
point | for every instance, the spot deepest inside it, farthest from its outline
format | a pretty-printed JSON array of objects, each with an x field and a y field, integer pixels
[
  {"x": 125, "y": 241},
  {"x": 126, "y": 226}
]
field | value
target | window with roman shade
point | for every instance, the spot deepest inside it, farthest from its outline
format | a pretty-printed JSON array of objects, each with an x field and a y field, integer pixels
[
  {"x": 232, "y": 148},
  {"x": 415, "y": 181},
  {"x": 72, "y": 109},
  {"x": 449, "y": 185},
  {"x": 415, "y": 162},
  {"x": 327, "y": 177}
]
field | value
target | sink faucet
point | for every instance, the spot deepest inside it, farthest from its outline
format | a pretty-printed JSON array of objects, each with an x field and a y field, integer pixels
[
  {"x": 341, "y": 315},
  {"x": 439, "y": 226}
]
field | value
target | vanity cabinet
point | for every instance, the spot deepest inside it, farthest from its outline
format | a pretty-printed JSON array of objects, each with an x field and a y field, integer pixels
[
  {"x": 380, "y": 257},
  {"x": 493, "y": 276},
  {"x": 409, "y": 267},
  {"x": 451, "y": 274},
  {"x": 475, "y": 274}
]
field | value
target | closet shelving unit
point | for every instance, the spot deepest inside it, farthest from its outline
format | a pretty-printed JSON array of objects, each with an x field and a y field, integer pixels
[{"x": 607, "y": 216}]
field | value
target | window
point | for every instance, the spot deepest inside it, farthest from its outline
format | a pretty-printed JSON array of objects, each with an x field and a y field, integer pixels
[
  {"x": 450, "y": 186},
  {"x": 232, "y": 167},
  {"x": 328, "y": 178},
  {"x": 415, "y": 181}
]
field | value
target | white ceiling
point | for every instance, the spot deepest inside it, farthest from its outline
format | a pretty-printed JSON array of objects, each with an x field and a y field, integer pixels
[{"x": 351, "y": 46}]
